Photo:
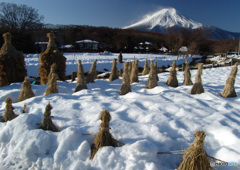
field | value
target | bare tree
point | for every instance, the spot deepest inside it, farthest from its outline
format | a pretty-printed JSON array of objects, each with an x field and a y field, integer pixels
[{"x": 13, "y": 16}]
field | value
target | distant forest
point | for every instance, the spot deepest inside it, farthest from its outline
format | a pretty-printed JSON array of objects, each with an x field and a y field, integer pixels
[{"x": 116, "y": 40}]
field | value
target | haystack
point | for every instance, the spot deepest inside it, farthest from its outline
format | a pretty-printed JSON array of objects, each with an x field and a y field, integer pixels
[
  {"x": 134, "y": 72},
  {"x": 146, "y": 69},
  {"x": 81, "y": 84},
  {"x": 50, "y": 56},
  {"x": 187, "y": 75},
  {"x": 172, "y": 80},
  {"x": 126, "y": 87},
  {"x": 12, "y": 64},
  {"x": 197, "y": 87},
  {"x": 92, "y": 74},
  {"x": 9, "y": 113},
  {"x": 52, "y": 85},
  {"x": 156, "y": 70},
  {"x": 47, "y": 123},
  {"x": 114, "y": 71},
  {"x": 120, "y": 57},
  {"x": 195, "y": 157},
  {"x": 26, "y": 90},
  {"x": 152, "y": 80},
  {"x": 229, "y": 90},
  {"x": 103, "y": 137},
  {"x": 53, "y": 69}
]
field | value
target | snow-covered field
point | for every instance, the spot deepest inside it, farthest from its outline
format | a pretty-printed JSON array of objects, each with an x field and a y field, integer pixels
[{"x": 147, "y": 121}]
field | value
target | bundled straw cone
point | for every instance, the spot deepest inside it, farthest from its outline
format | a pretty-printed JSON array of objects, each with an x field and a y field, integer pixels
[
  {"x": 126, "y": 86},
  {"x": 50, "y": 56},
  {"x": 187, "y": 75},
  {"x": 114, "y": 71},
  {"x": 120, "y": 57},
  {"x": 52, "y": 85},
  {"x": 103, "y": 137},
  {"x": 12, "y": 64},
  {"x": 146, "y": 69},
  {"x": 53, "y": 69},
  {"x": 81, "y": 84},
  {"x": 47, "y": 123},
  {"x": 92, "y": 74},
  {"x": 156, "y": 70},
  {"x": 229, "y": 90},
  {"x": 9, "y": 113},
  {"x": 172, "y": 80},
  {"x": 197, "y": 87},
  {"x": 195, "y": 157},
  {"x": 26, "y": 90},
  {"x": 152, "y": 81},
  {"x": 134, "y": 72}
]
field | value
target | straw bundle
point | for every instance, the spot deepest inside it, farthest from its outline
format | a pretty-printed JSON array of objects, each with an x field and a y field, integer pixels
[
  {"x": 92, "y": 74},
  {"x": 152, "y": 81},
  {"x": 146, "y": 69},
  {"x": 47, "y": 123},
  {"x": 187, "y": 75},
  {"x": 195, "y": 157},
  {"x": 12, "y": 64},
  {"x": 26, "y": 90},
  {"x": 52, "y": 87},
  {"x": 114, "y": 71},
  {"x": 197, "y": 87},
  {"x": 50, "y": 56},
  {"x": 120, "y": 57},
  {"x": 134, "y": 72},
  {"x": 103, "y": 137},
  {"x": 9, "y": 113},
  {"x": 229, "y": 90},
  {"x": 172, "y": 80},
  {"x": 126, "y": 87},
  {"x": 81, "y": 84}
]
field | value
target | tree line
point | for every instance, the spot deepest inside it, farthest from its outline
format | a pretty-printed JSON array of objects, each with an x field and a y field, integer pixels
[{"x": 26, "y": 27}]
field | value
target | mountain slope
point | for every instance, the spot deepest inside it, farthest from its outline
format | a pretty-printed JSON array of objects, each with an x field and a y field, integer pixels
[{"x": 169, "y": 18}]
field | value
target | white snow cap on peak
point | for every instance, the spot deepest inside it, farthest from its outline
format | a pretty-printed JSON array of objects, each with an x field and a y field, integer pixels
[{"x": 167, "y": 17}]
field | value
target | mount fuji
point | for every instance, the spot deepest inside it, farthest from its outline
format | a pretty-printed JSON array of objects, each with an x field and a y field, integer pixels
[{"x": 167, "y": 18}]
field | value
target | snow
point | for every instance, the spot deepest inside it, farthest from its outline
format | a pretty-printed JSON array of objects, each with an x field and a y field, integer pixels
[
  {"x": 147, "y": 121},
  {"x": 166, "y": 17}
]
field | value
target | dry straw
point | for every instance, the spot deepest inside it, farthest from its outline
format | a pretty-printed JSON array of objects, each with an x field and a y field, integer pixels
[
  {"x": 120, "y": 57},
  {"x": 187, "y": 75},
  {"x": 26, "y": 90},
  {"x": 92, "y": 74},
  {"x": 81, "y": 84},
  {"x": 50, "y": 56},
  {"x": 114, "y": 71},
  {"x": 126, "y": 86},
  {"x": 103, "y": 137},
  {"x": 52, "y": 87},
  {"x": 195, "y": 157},
  {"x": 146, "y": 69},
  {"x": 53, "y": 69},
  {"x": 229, "y": 90},
  {"x": 134, "y": 72},
  {"x": 152, "y": 81},
  {"x": 172, "y": 80},
  {"x": 47, "y": 123},
  {"x": 12, "y": 64},
  {"x": 9, "y": 113},
  {"x": 197, "y": 87}
]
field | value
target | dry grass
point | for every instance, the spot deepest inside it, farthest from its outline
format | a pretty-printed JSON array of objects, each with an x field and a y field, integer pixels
[
  {"x": 92, "y": 74},
  {"x": 134, "y": 72},
  {"x": 81, "y": 84},
  {"x": 47, "y": 123},
  {"x": 52, "y": 87},
  {"x": 103, "y": 137},
  {"x": 195, "y": 157},
  {"x": 114, "y": 71},
  {"x": 229, "y": 90},
  {"x": 197, "y": 87},
  {"x": 153, "y": 78},
  {"x": 26, "y": 90},
  {"x": 126, "y": 87},
  {"x": 120, "y": 57},
  {"x": 172, "y": 80},
  {"x": 187, "y": 75},
  {"x": 9, "y": 113},
  {"x": 146, "y": 69}
]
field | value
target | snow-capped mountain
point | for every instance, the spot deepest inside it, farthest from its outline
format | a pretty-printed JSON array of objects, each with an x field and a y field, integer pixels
[{"x": 165, "y": 18}]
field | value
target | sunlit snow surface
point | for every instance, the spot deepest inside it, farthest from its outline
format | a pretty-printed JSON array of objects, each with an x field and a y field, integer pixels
[{"x": 147, "y": 121}]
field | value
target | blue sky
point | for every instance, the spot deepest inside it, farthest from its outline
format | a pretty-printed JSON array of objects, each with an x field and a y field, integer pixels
[{"x": 119, "y": 13}]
